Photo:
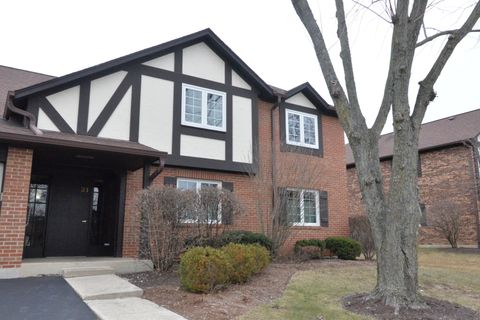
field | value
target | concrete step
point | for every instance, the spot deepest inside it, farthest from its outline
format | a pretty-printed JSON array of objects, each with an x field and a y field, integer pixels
[
  {"x": 86, "y": 271},
  {"x": 130, "y": 308},
  {"x": 103, "y": 287}
]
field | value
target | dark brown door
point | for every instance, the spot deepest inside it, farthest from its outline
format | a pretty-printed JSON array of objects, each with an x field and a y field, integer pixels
[{"x": 68, "y": 215}]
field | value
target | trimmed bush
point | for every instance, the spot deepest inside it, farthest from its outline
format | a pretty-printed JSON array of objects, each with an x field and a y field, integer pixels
[
  {"x": 309, "y": 248},
  {"x": 344, "y": 248},
  {"x": 247, "y": 237},
  {"x": 203, "y": 269},
  {"x": 242, "y": 260},
  {"x": 261, "y": 255}
]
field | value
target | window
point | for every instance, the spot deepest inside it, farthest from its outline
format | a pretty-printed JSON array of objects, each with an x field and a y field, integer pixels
[
  {"x": 36, "y": 216},
  {"x": 203, "y": 108},
  {"x": 197, "y": 185},
  {"x": 302, "y": 129},
  {"x": 303, "y": 207}
]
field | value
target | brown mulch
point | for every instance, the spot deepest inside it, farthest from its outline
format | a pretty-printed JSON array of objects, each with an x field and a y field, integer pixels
[
  {"x": 435, "y": 309},
  {"x": 164, "y": 289}
]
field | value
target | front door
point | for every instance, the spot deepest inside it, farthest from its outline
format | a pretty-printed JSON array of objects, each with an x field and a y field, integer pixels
[{"x": 68, "y": 215}]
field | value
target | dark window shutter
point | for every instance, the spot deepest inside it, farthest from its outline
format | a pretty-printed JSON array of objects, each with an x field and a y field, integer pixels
[
  {"x": 170, "y": 181},
  {"x": 227, "y": 186},
  {"x": 423, "y": 208},
  {"x": 227, "y": 214},
  {"x": 323, "y": 208},
  {"x": 282, "y": 206}
]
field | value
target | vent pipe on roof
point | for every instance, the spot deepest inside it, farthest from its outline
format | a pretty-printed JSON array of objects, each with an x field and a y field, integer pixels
[{"x": 30, "y": 118}]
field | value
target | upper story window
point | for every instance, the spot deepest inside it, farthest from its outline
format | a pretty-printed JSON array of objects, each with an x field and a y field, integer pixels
[
  {"x": 302, "y": 129},
  {"x": 303, "y": 207},
  {"x": 203, "y": 108}
]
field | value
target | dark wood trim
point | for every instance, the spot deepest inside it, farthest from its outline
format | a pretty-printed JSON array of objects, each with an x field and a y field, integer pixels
[
  {"x": 204, "y": 133},
  {"x": 111, "y": 105},
  {"x": 83, "y": 106},
  {"x": 229, "y": 113},
  {"x": 121, "y": 214},
  {"x": 54, "y": 116},
  {"x": 284, "y": 146},
  {"x": 255, "y": 136},
  {"x": 177, "y": 104},
  {"x": 208, "y": 164},
  {"x": 135, "y": 106},
  {"x": 200, "y": 82}
]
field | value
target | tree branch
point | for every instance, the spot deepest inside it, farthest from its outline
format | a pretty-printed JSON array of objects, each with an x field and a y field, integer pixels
[
  {"x": 426, "y": 93},
  {"x": 346, "y": 55},
  {"x": 350, "y": 116},
  {"x": 382, "y": 115},
  {"x": 443, "y": 33}
]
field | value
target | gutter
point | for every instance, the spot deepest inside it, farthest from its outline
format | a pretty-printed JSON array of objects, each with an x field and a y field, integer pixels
[{"x": 29, "y": 118}]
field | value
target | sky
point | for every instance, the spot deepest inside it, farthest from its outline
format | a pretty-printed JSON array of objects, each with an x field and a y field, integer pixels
[{"x": 57, "y": 37}]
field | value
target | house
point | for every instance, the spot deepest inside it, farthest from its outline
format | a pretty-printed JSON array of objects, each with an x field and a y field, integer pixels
[
  {"x": 448, "y": 170},
  {"x": 76, "y": 149}
]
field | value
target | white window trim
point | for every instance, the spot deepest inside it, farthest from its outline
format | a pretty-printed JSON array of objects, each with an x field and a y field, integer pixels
[
  {"x": 302, "y": 223},
  {"x": 302, "y": 129},
  {"x": 197, "y": 188},
  {"x": 204, "y": 124}
]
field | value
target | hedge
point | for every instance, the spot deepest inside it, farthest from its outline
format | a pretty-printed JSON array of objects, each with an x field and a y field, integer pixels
[{"x": 344, "y": 248}]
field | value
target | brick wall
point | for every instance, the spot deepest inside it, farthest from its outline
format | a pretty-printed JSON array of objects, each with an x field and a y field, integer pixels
[
  {"x": 13, "y": 210},
  {"x": 447, "y": 183},
  {"x": 256, "y": 193}
]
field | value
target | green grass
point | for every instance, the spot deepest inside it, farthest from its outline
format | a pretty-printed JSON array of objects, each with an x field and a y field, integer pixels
[{"x": 310, "y": 294}]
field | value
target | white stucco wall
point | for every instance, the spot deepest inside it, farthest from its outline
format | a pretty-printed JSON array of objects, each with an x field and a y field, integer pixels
[
  {"x": 156, "y": 113},
  {"x": 66, "y": 103},
  {"x": 199, "y": 147},
  {"x": 166, "y": 62},
  {"x": 301, "y": 100},
  {"x": 118, "y": 125},
  {"x": 44, "y": 122},
  {"x": 242, "y": 129},
  {"x": 238, "y": 81},
  {"x": 200, "y": 61}
]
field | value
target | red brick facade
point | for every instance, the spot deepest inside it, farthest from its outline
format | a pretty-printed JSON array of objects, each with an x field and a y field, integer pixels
[
  {"x": 255, "y": 194},
  {"x": 447, "y": 180},
  {"x": 14, "y": 206}
]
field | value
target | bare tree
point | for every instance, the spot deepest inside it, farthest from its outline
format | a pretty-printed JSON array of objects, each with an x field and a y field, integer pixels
[
  {"x": 395, "y": 216},
  {"x": 446, "y": 220}
]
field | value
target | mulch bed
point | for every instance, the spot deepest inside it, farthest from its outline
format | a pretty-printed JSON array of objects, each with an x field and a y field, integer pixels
[
  {"x": 436, "y": 310},
  {"x": 164, "y": 289}
]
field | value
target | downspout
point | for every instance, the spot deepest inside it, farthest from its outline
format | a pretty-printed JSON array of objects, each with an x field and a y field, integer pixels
[
  {"x": 30, "y": 118},
  {"x": 475, "y": 156}
]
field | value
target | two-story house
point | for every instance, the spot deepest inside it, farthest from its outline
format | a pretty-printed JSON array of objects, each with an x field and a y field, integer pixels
[{"x": 76, "y": 149}]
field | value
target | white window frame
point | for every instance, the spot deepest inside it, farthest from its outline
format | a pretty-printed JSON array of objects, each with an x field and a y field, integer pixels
[
  {"x": 302, "y": 129},
  {"x": 204, "y": 122},
  {"x": 197, "y": 188},
  {"x": 302, "y": 222}
]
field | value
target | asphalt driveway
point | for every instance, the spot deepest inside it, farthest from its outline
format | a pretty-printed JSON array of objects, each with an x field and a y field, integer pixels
[{"x": 41, "y": 298}]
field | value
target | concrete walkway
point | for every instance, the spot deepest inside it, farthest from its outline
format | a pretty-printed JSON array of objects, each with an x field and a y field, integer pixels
[{"x": 113, "y": 298}]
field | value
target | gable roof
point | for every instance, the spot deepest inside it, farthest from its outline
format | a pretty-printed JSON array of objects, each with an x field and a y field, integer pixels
[
  {"x": 311, "y": 94},
  {"x": 207, "y": 36},
  {"x": 435, "y": 134},
  {"x": 13, "y": 79}
]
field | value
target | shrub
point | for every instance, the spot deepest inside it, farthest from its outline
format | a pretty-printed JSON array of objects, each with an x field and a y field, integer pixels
[
  {"x": 199, "y": 241},
  {"x": 247, "y": 237},
  {"x": 261, "y": 255},
  {"x": 344, "y": 248},
  {"x": 242, "y": 260},
  {"x": 361, "y": 231},
  {"x": 309, "y": 248},
  {"x": 204, "y": 269}
]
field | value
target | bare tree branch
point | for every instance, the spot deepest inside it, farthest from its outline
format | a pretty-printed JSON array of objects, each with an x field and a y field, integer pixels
[
  {"x": 382, "y": 115},
  {"x": 371, "y": 10},
  {"x": 346, "y": 55},
  {"x": 442, "y": 33},
  {"x": 426, "y": 93},
  {"x": 350, "y": 116}
]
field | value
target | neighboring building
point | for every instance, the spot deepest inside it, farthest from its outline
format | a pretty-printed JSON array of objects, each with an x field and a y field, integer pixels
[
  {"x": 184, "y": 112},
  {"x": 447, "y": 174}
]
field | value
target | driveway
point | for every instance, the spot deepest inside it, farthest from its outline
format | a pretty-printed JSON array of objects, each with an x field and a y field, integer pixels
[{"x": 41, "y": 298}]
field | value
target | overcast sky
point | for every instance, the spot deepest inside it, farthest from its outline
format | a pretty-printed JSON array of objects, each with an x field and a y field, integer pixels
[{"x": 59, "y": 37}]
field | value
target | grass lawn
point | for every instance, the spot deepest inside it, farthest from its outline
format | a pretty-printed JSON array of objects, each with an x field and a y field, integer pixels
[{"x": 444, "y": 274}]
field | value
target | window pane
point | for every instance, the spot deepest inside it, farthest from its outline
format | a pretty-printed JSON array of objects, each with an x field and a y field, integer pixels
[
  {"x": 293, "y": 127},
  {"x": 309, "y": 207},
  {"x": 193, "y": 105},
  {"x": 293, "y": 206},
  {"x": 214, "y": 110},
  {"x": 40, "y": 210},
  {"x": 204, "y": 185},
  {"x": 186, "y": 185},
  {"x": 41, "y": 196},
  {"x": 309, "y": 130}
]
